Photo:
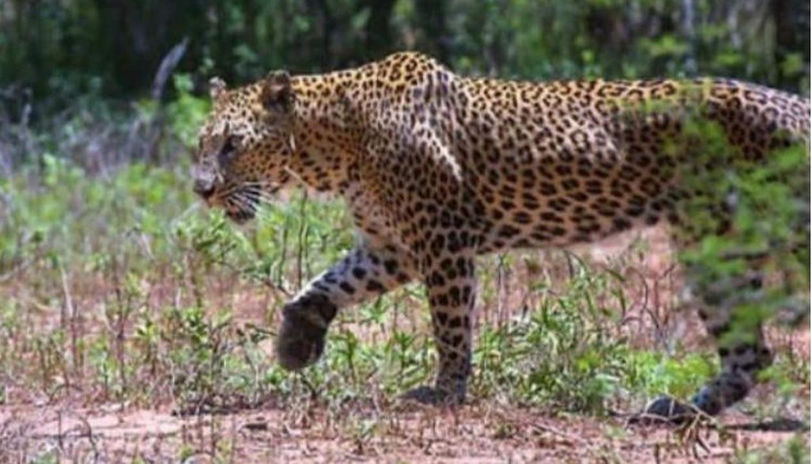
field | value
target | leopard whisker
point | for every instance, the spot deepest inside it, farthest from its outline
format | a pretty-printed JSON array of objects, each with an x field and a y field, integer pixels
[
  {"x": 230, "y": 203},
  {"x": 229, "y": 189},
  {"x": 258, "y": 193},
  {"x": 250, "y": 199},
  {"x": 240, "y": 200}
]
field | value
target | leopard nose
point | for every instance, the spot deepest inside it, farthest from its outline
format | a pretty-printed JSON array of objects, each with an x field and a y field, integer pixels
[{"x": 203, "y": 188}]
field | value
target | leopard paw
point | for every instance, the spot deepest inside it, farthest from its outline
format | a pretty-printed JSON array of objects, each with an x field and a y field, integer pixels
[
  {"x": 666, "y": 410},
  {"x": 433, "y": 396},
  {"x": 300, "y": 341}
]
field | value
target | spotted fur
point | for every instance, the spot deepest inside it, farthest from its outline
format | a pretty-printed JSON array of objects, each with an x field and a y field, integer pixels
[{"x": 438, "y": 168}]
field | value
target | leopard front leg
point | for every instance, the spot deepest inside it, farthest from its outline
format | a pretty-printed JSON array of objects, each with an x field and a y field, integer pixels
[
  {"x": 451, "y": 289},
  {"x": 362, "y": 274}
]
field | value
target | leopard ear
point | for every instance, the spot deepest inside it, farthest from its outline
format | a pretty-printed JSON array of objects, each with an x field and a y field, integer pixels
[
  {"x": 217, "y": 88},
  {"x": 277, "y": 93}
]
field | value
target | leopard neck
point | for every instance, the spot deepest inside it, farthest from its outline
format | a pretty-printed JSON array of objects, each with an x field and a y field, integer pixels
[{"x": 325, "y": 144}]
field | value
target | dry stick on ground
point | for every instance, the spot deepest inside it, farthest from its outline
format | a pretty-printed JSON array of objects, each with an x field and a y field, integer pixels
[
  {"x": 549, "y": 429},
  {"x": 67, "y": 320}
]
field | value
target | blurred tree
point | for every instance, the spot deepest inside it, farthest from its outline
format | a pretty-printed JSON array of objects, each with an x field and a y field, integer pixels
[
  {"x": 791, "y": 40},
  {"x": 378, "y": 28},
  {"x": 134, "y": 36},
  {"x": 432, "y": 20},
  {"x": 111, "y": 48}
]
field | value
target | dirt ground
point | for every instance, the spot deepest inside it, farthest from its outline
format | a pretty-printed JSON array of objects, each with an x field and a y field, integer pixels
[
  {"x": 477, "y": 433},
  {"x": 76, "y": 429}
]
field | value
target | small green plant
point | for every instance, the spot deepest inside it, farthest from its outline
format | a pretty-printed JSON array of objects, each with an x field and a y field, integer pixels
[
  {"x": 560, "y": 355},
  {"x": 187, "y": 112},
  {"x": 792, "y": 451}
]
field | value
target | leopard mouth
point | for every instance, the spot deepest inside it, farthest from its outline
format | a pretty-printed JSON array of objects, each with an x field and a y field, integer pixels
[
  {"x": 242, "y": 204},
  {"x": 241, "y": 201}
]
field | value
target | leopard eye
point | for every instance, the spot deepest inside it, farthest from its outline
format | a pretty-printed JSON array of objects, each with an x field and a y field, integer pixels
[
  {"x": 229, "y": 148},
  {"x": 230, "y": 145}
]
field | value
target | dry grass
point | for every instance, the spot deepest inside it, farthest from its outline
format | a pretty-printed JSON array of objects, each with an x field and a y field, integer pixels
[{"x": 69, "y": 415}]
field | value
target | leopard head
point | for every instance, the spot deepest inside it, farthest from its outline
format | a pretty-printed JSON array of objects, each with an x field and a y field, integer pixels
[{"x": 245, "y": 145}]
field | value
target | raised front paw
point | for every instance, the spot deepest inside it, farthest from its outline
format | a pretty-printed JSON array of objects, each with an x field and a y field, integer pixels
[
  {"x": 667, "y": 410},
  {"x": 300, "y": 341}
]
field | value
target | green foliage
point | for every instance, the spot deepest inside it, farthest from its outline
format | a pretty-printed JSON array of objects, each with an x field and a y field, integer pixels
[
  {"x": 795, "y": 451},
  {"x": 654, "y": 373},
  {"x": 136, "y": 201},
  {"x": 62, "y": 49},
  {"x": 748, "y": 216},
  {"x": 187, "y": 112},
  {"x": 564, "y": 355},
  {"x": 790, "y": 378},
  {"x": 205, "y": 371},
  {"x": 556, "y": 360}
]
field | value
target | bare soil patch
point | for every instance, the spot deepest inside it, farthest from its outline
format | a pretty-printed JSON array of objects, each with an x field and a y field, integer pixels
[{"x": 476, "y": 433}]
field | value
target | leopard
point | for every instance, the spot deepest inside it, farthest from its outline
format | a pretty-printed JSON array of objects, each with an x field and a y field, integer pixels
[{"x": 437, "y": 169}]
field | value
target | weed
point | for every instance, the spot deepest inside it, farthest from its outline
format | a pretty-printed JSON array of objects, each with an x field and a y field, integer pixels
[
  {"x": 559, "y": 355},
  {"x": 794, "y": 451}
]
